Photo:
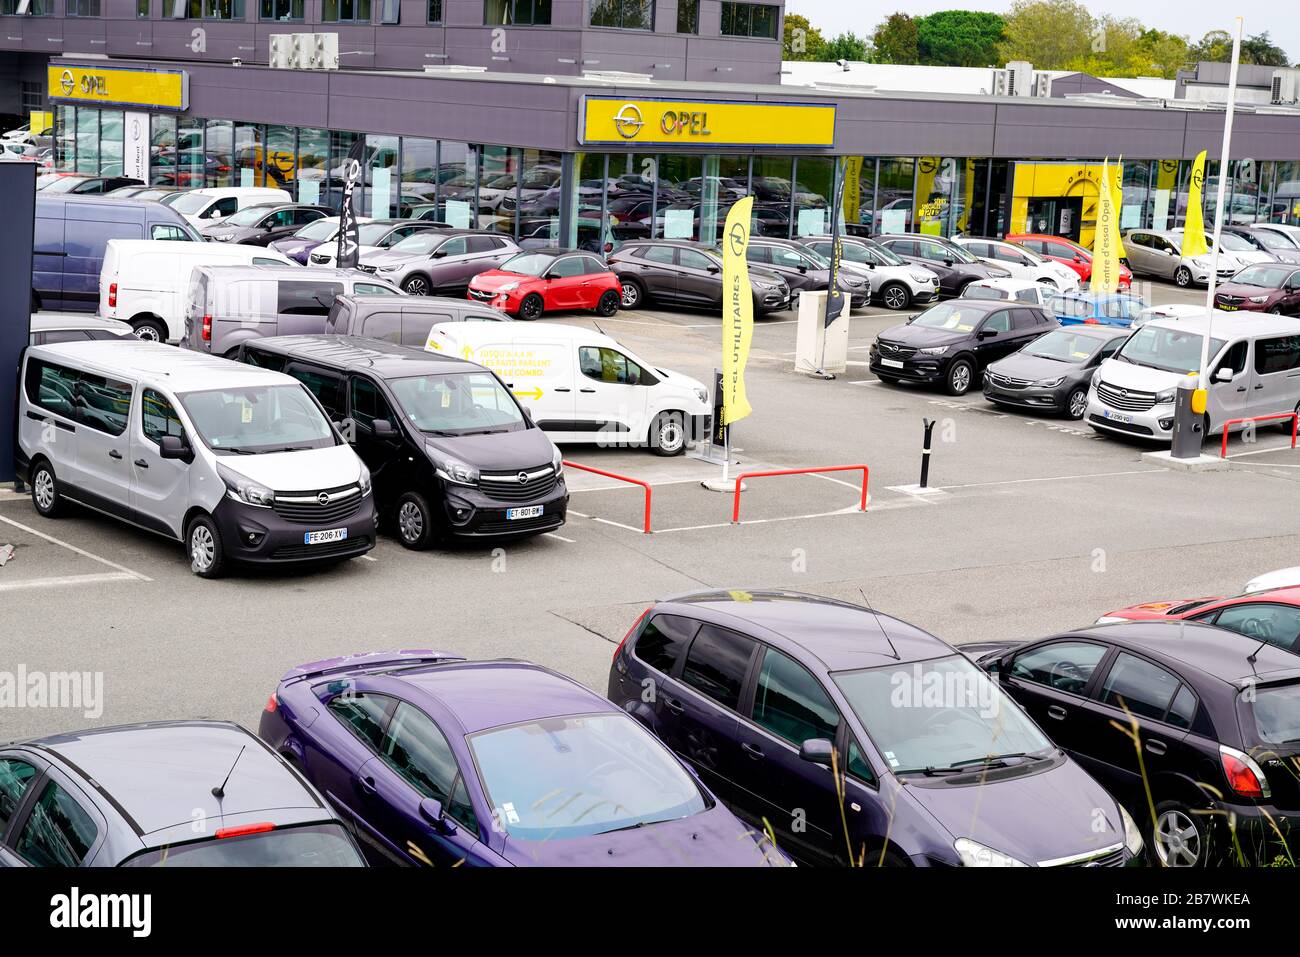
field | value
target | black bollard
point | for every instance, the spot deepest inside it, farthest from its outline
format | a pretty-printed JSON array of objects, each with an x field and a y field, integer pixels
[{"x": 925, "y": 453}]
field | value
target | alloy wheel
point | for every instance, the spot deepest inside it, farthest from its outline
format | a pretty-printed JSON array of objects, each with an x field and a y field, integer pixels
[
  {"x": 960, "y": 379},
  {"x": 415, "y": 286},
  {"x": 1078, "y": 404},
  {"x": 1177, "y": 840},
  {"x": 631, "y": 295},
  {"x": 895, "y": 297}
]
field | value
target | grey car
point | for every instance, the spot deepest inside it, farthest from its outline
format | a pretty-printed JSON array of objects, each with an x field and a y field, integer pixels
[
  {"x": 262, "y": 225},
  {"x": 804, "y": 269},
  {"x": 1052, "y": 373},
  {"x": 167, "y": 793},
  {"x": 405, "y": 320},
  {"x": 680, "y": 272},
  {"x": 440, "y": 262}
]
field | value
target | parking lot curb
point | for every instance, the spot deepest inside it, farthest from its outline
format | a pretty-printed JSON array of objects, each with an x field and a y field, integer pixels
[{"x": 1202, "y": 463}]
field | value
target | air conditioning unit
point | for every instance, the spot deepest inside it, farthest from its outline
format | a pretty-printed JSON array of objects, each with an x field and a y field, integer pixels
[
  {"x": 1001, "y": 83},
  {"x": 1043, "y": 85},
  {"x": 323, "y": 51},
  {"x": 1021, "y": 78},
  {"x": 1286, "y": 87},
  {"x": 282, "y": 55},
  {"x": 304, "y": 51}
]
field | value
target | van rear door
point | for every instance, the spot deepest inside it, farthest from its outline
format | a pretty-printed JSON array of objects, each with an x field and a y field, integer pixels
[
  {"x": 88, "y": 228},
  {"x": 49, "y": 255}
]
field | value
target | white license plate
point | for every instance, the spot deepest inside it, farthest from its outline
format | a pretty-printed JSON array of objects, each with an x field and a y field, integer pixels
[
  {"x": 528, "y": 511},
  {"x": 1125, "y": 419},
  {"x": 891, "y": 363},
  {"x": 321, "y": 538}
]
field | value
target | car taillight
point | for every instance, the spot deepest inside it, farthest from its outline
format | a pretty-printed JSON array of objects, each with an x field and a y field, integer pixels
[
  {"x": 207, "y": 328},
  {"x": 1243, "y": 774},
  {"x": 241, "y": 830},
  {"x": 112, "y": 295},
  {"x": 631, "y": 631},
  {"x": 271, "y": 705}
]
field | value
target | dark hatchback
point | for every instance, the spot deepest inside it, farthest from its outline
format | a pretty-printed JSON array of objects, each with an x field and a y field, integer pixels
[
  {"x": 1217, "y": 723},
  {"x": 772, "y": 696},
  {"x": 451, "y": 452},
  {"x": 263, "y": 225},
  {"x": 802, "y": 268},
  {"x": 680, "y": 272},
  {"x": 1052, "y": 373},
  {"x": 951, "y": 343},
  {"x": 955, "y": 267}
]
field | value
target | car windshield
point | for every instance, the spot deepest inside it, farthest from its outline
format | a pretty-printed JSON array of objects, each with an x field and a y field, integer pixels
[
  {"x": 313, "y": 845},
  {"x": 170, "y": 198},
  {"x": 1065, "y": 346},
  {"x": 1172, "y": 350},
  {"x": 976, "y": 291},
  {"x": 820, "y": 261},
  {"x": 64, "y": 184},
  {"x": 321, "y": 230},
  {"x": 568, "y": 777},
  {"x": 1233, "y": 243},
  {"x": 187, "y": 204},
  {"x": 1079, "y": 306},
  {"x": 257, "y": 419},
  {"x": 959, "y": 254},
  {"x": 1268, "y": 276},
  {"x": 951, "y": 316},
  {"x": 423, "y": 242},
  {"x": 938, "y": 714},
  {"x": 1271, "y": 240},
  {"x": 1277, "y": 713},
  {"x": 888, "y": 256},
  {"x": 248, "y": 216},
  {"x": 461, "y": 403},
  {"x": 528, "y": 264},
  {"x": 372, "y": 234}
]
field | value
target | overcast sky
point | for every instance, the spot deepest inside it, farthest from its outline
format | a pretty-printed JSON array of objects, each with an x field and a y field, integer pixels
[{"x": 1192, "y": 18}]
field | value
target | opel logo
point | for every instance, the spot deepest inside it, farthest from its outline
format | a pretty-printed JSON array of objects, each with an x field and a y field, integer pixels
[
  {"x": 738, "y": 236},
  {"x": 628, "y": 121},
  {"x": 523, "y": 478},
  {"x": 66, "y": 83},
  {"x": 1123, "y": 393},
  {"x": 323, "y": 498}
]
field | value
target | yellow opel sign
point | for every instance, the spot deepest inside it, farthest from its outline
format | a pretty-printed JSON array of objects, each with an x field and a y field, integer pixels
[
  {"x": 612, "y": 121},
  {"x": 149, "y": 89}
]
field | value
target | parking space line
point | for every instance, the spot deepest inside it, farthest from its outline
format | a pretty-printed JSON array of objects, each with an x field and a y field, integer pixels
[
  {"x": 560, "y": 537},
  {"x": 370, "y": 558},
  {"x": 1280, "y": 448},
  {"x": 58, "y": 580},
  {"x": 1053, "y": 478},
  {"x": 74, "y": 548}
]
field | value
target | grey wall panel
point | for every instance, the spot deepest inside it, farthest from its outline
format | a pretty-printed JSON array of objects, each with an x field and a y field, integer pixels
[{"x": 1064, "y": 132}]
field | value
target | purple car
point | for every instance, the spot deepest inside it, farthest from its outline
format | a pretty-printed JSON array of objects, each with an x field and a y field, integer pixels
[
  {"x": 299, "y": 246},
  {"x": 436, "y": 760}
]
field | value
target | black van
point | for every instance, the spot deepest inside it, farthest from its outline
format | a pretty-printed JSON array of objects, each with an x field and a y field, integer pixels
[{"x": 451, "y": 452}]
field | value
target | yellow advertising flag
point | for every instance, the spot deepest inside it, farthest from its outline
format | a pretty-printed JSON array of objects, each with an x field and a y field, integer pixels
[
  {"x": 737, "y": 311},
  {"x": 1105, "y": 247},
  {"x": 1194, "y": 243},
  {"x": 852, "y": 190}
]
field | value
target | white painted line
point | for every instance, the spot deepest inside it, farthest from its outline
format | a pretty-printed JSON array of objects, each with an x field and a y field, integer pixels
[
  {"x": 1280, "y": 448},
  {"x": 1054, "y": 478},
  {"x": 574, "y": 511},
  {"x": 560, "y": 537},
  {"x": 864, "y": 382},
  {"x": 59, "y": 580},
  {"x": 639, "y": 531},
  {"x": 74, "y": 548},
  {"x": 754, "y": 521},
  {"x": 370, "y": 558}
]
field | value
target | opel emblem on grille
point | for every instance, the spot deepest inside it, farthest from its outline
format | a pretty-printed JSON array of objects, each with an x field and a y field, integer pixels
[
  {"x": 1123, "y": 393},
  {"x": 323, "y": 498},
  {"x": 523, "y": 478}
]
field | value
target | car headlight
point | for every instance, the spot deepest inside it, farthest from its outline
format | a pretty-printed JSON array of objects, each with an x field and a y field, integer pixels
[
  {"x": 997, "y": 272},
  {"x": 508, "y": 287},
  {"x": 917, "y": 277},
  {"x": 387, "y": 268},
  {"x": 933, "y": 351},
  {"x": 557, "y": 460},
  {"x": 1050, "y": 383},
  {"x": 1259, "y": 298},
  {"x": 1164, "y": 398},
  {"x": 1132, "y": 836},
  {"x": 974, "y": 854},
  {"x": 244, "y": 489},
  {"x": 1096, "y": 379},
  {"x": 454, "y": 471},
  {"x": 1202, "y": 263},
  {"x": 364, "y": 480}
]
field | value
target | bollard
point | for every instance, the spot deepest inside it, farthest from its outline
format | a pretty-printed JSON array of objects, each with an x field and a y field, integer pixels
[{"x": 925, "y": 452}]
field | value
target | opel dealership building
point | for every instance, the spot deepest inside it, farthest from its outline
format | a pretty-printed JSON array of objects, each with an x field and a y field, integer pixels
[{"x": 582, "y": 121}]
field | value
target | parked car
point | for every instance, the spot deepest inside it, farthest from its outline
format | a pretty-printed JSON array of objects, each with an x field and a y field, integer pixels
[
  {"x": 72, "y": 235},
  {"x": 1173, "y": 310},
  {"x": 955, "y": 267},
  {"x": 1285, "y": 231},
  {"x": 680, "y": 272},
  {"x": 1052, "y": 373},
  {"x": 1009, "y": 290},
  {"x": 453, "y": 453},
  {"x": 404, "y": 320},
  {"x": 801, "y": 268},
  {"x": 1276, "y": 247},
  {"x": 1217, "y": 723},
  {"x": 1084, "y": 307},
  {"x": 260, "y": 225},
  {"x": 50, "y": 327},
  {"x": 807, "y": 714},
  {"x": 1241, "y": 249},
  {"x": 299, "y": 245},
  {"x": 895, "y": 283},
  {"x": 1069, "y": 254},
  {"x": 163, "y": 794},
  {"x": 372, "y": 237},
  {"x": 951, "y": 343},
  {"x": 81, "y": 184},
  {"x": 439, "y": 761},
  {"x": 440, "y": 262},
  {"x": 1159, "y": 253},
  {"x": 1266, "y": 287},
  {"x": 582, "y": 386},
  {"x": 1281, "y": 578},
  {"x": 1266, "y": 615},
  {"x": 207, "y": 205},
  {"x": 1252, "y": 366},
  {"x": 531, "y": 283},
  {"x": 1020, "y": 261},
  {"x": 240, "y": 464}
]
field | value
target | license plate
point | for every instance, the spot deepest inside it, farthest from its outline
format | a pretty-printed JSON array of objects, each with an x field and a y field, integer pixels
[
  {"x": 322, "y": 538},
  {"x": 528, "y": 511},
  {"x": 891, "y": 363},
  {"x": 1228, "y": 308},
  {"x": 1124, "y": 419}
]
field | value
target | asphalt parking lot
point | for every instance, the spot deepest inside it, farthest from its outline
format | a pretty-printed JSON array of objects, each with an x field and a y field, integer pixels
[{"x": 1032, "y": 525}]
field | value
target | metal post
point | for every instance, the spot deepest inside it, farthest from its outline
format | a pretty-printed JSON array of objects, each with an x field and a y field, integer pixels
[{"x": 925, "y": 452}]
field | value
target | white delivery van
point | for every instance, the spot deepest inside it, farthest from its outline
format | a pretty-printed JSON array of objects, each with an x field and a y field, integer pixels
[
  {"x": 211, "y": 204},
  {"x": 582, "y": 386},
  {"x": 144, "y": 282}
]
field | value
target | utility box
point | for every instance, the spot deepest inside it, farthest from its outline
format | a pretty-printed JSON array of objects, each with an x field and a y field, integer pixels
[{"x": 818, "y": 347}]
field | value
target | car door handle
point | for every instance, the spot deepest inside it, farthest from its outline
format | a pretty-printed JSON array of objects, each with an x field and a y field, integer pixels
[
  {"x": 141, "y": 463},
  {"x": 1242, "y": 388},
  {"x": 586, "y": 390},
  {"x": 1156, "y": 746},
  {"x": 676, "y": 707},
  {"x": 1260, "y": 386},
  {"x": 114, "y": 454},
  {"x": 752, "y": 750},
  {"x": 367, "y": 785},
  {"x": 1056, "y": 712},
  {"x": 565, "y": 389}
]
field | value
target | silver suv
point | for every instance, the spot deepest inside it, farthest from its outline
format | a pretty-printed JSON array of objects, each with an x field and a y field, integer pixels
[{"x": 440, "y": 262}]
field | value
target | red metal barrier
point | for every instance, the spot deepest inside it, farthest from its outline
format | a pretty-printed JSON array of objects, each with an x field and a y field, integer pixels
[
  {"x": 1295, "y": 424},
  {"x": 621, "y": 478},
  {"x": 735, "y": 507}
]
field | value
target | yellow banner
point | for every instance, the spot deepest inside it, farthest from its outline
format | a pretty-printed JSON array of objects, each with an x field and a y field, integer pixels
[
  {"x": 852, "y": 189},
  {"x": 737, "y": 311},
  {"x": 1106, "y": 249},
  {"x": 1194, "y": 243},
  {"x": 154, "y": 89},
  {"x": 705, "y": 123}
]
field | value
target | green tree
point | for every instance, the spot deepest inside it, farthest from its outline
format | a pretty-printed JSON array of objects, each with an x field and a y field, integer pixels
[
  {"x": 846, "y": 46},
  {"x": 803, "y": 41},
  {"x": 1216, "y": 47},
  {"x": 895, "y": 40},
  {"x": 1050, "y": 34},
  {"x": 959, "y": 38}
]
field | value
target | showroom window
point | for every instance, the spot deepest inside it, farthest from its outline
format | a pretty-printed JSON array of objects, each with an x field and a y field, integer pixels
[
  {"x": 142, "y": 8},
  {"x": 25, "y": 8},
  {"x": 624, "y": 14},
  {"x": 758, "y": 20},
  {"x": 435, "y": 11},
  {"x": 688, "y": 16},
  {"x": 282, "y": 9},
  {"x": 83, "y": 8},
  {"x": 223, "y": 9},
  {"x": 346, "y": 11},
  {"x": 518, "y": 13}
]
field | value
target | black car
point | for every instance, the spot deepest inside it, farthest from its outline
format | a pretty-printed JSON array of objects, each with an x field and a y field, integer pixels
[
  {"x": 680, "y": 272},
  {"x": 1052, "y": 373},
  {"x": 451, "y": 452},
  {"x": 955, "y": 267},
  {"x": 261, "y": 225},
  {"x": 951, "y": 343},
  {"x": 1265, "y": 240},
  {"x": 802, "y": 268},
  {"x": 1213, "y": 774}
]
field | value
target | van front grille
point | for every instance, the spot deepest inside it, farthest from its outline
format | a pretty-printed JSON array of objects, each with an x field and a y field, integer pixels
[
  {"x": 508, "y": 487},
  {"x": 318, "y": 508},
  {"x": 1128, "y": 400}
]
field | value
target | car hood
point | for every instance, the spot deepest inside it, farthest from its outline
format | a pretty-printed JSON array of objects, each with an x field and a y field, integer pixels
[
  {"x": 921, "y": 336},
  {"x": 307, "y": 470},
  {"x": 1021, "y": 366},
  {"x": 493, "y": 279},
  {"x": 1253, "y": 256},
  {"x": 1003, "y": 813},
  {"x": 390, "y": 257},
  {"x": 293, "y": 244},
  {"x": 1153, "y": 609},
  {"x": 226, "y": 229},
  {"x": 713, "y": 838},
  {"x": 1126, "y": 375},
  {"x": 1243, "y": 290},
  {"x": 765, "y": 275},
  {"x": 496, "y": 452}
]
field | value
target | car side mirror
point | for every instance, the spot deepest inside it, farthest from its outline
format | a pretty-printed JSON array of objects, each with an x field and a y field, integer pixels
[
  {"x": 432, "y": 811},
  {"x": 438, "y": 254},
  {"x": 714, "y": 269},
  {"x": 987, "y": 334},
  {"x": 947, "y": 262},
  {"x": 174, "y": 447},
  {"x": 817, "y": 751},
  {"x": 1223, "y": 374},
  {"x": 383, "y": 429}
]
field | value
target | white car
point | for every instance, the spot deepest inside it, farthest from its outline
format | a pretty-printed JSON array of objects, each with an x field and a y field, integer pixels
[
  {"x": 1241, "y": 250},
  {"x": 207, "y": 205},
  {"x": 1176, "y": 310},
  {"x": 376, "y": 236},
  {"x": 1282, "y": 578},
  {"x": 1290, "y": 233},
  {"x": 895, "y": 283},
  {"x": 50, "y": 327},
  {"x": 1016, "y": 290},
  {"x": 1022, "y": 263}
]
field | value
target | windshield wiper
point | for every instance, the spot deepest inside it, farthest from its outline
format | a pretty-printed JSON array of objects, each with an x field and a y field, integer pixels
[{"x": 237, "y": 450}]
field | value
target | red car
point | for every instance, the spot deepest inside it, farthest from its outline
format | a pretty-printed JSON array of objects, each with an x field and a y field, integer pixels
[
  {"x": 533, "y": 282},
  {"x": 1271, "y": 616},
  {"x": 1068, "y": 253}
]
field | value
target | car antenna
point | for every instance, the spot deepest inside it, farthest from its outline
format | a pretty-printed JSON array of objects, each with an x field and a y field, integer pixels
[
  {"x": 598, "y": 329},
  {"x": 876, "y": 617},
  {"x": 219, "y": 791}
]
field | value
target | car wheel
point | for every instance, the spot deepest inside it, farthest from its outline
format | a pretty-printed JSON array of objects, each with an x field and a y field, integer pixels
[
  {"x": 668, "y": 434},
  {"x": 608, "y": 305},
  {"x": 1182, "y": 277},
  {"x": 416, "y": 286},
  {"x": 1047, "y": 281},
  {"x": 895, "y": 296},
  {"x": 1076, "y": 403},
  {"x": 633, "y": 295},
  {"x": 150, "y": 330},
  {"x": 413, "y": 520},
  {"x": 203, "y": 541},
  {"x": 532, "y": 307},
  {"x": 46, "y": 496},
  {"x": 1180, "y": 837},
  {"x": 960, "y": 375}
]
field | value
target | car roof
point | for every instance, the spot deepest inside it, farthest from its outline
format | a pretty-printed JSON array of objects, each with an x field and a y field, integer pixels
[
  {"x": 1232, "y": 324},
  {"x": 51, "y": 321},
  {"x": 182, "y": 369},
  {"x": 290, "y": 270},
  {"x": 555, "y": 251},
  {"x": 1007, "y": 282},
  {"x": 986, "y": 304},
  {"x": 159, "y": 773},
  {"x": 1215, "y": 652},
  {"x": 388, "y": 360},
  {"x": 417, "y": 302},
  {"x": 842, "y": 636}
]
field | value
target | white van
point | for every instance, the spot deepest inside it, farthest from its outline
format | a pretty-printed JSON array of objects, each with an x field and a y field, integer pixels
[
  {"x": 581, "y": 386},
  {"x": 211, "y": 204},
  {"x": 144, "y": 282},
  {"x": 241, "y": 464},
  {"x": 1254, "y": 370}
]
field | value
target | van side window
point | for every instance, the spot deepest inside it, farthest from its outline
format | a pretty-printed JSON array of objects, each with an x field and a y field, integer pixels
[
  {"x": 222, "y": 207},
  {"x": 1234, "y": 358},
  {"x": 306, "y": 298},
  {"x": 416, "y": 326},
  {"x": 608, "y": 365},
  {"x": 367, "y": 402},
  {"x": 167, "y": 233},
  {"x": 325, "y": 386},
  {"x": 263, "y": 360},
  {"x": 158, "y": 417},
  {"x": 102, "y": 404},
  {"x": 1279, "y": 354},
  {"x": 370, "y": 289},
  {"x": 383, "y": 325},
  {"x": 263, "y": 261},
  {"x": 51, "y": 387}
]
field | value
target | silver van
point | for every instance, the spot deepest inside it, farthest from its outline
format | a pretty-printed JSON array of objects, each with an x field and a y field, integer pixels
[
  {"x": 228, "y": 305},
  {"x": 405, "y": 321}
]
